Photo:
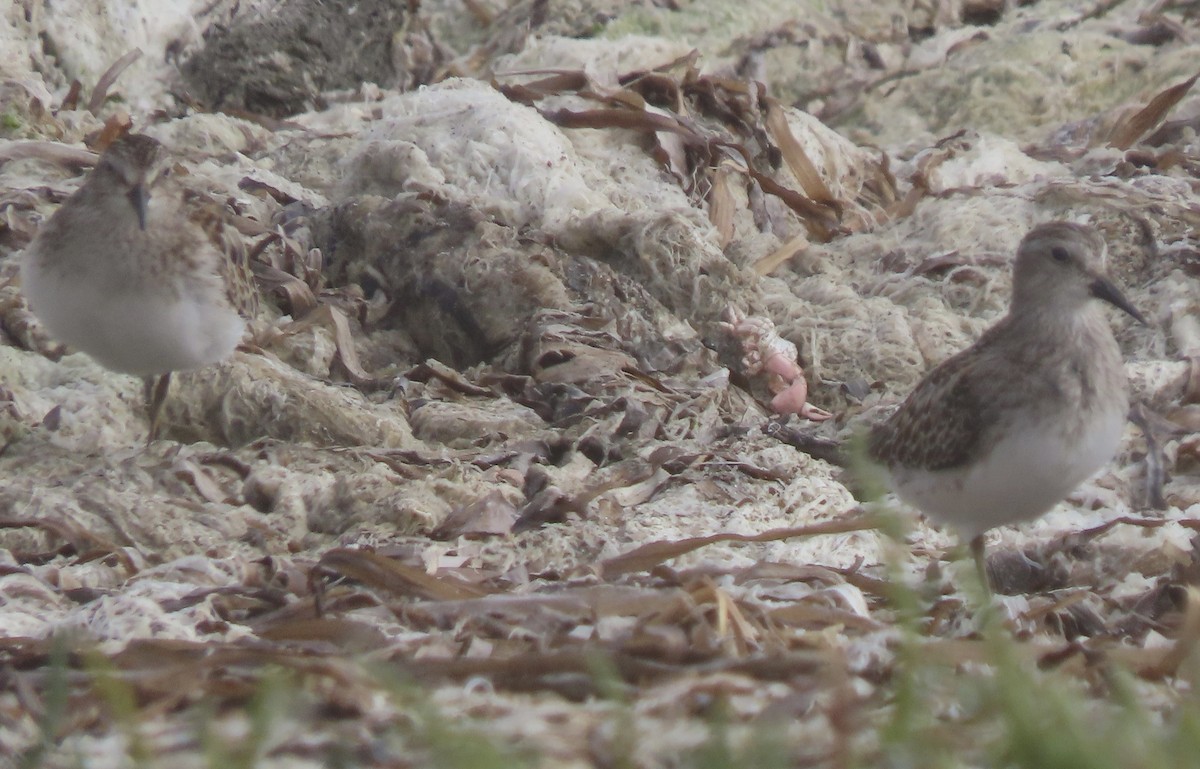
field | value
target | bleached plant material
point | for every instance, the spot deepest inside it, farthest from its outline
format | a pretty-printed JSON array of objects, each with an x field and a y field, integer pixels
[
  {"x": 653, "y": 515},
  {"x": 471, "y": 144}
]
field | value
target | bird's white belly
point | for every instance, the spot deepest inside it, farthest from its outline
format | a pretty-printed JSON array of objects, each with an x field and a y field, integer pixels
[
  {"x": 1024, "y": 475},
  {"x": 133, "y": 332}
]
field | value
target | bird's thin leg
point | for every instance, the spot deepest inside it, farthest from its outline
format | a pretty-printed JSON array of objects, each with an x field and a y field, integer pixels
[
  {"x": 977, "y": 552},
  {"x": 156, "y": 393}
]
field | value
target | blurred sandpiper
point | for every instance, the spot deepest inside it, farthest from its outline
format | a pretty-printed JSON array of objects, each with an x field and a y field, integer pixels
[
  {"x": 1004, "y": 430},
  {"x": 140, "y": 273}
]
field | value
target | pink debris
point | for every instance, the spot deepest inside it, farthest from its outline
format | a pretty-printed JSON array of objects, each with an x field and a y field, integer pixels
[{"x": 765, "y": 350}]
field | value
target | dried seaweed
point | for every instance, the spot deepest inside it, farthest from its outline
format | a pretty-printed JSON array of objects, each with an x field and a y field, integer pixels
[
  {"x": 654, "y": 553},
  {"x": 742, "y": 131},
  {"x": 100, "y": 92},
  {"x": 392, "y": 577},
  {"x": 617, "y": 559},
  {"x": 1127, "y": 131}
]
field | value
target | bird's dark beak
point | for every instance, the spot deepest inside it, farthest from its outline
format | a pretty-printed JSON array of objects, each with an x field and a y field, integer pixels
[
  {"x": 1102, "y": 288},
  {"x": 139, "y": 197}
]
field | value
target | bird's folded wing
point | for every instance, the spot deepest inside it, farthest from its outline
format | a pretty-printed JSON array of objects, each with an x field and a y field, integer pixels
[
  {"x": 235, "y": 267},
  {"x": 944, "y": 423}
]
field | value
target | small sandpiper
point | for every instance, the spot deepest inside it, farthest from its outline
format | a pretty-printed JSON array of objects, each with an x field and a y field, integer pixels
[
  {"x": 140, "y": 273},
  {"x": 1004, "y": 430}
]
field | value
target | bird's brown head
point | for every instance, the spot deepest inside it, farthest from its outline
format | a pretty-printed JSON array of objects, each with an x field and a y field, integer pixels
[
  {"x": 134, "y": 163},
  {"x": 1063, "y": 264}
]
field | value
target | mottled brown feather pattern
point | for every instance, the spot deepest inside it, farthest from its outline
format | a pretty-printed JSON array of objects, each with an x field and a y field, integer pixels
[
  {"x": 1002, "y": 431},
  {"x": 140, "y": 272},
  {"x": 961, "y": 407},
  {"x": 235, "y": 269},
  {"x": 169, "y": 251},
  {"x": 938, "y": 426}
]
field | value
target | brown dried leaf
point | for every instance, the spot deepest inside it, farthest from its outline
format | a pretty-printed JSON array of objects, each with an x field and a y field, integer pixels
[
  {"x": 490, "y": 514},
  {"x": 346, "y": 635},
  {"x": 257, "y": 185},
  {"x": 651, "y": 555},
  {"x": 325, "y": 315},
  {"x": 622, "y": 97},
  {"x": 670, "y": 150},
  {"x": 528, "y": 93},
  {"x": 79, "y": 538},
  {"x": 298, "y": 299},
  {"x": 1191, "y": 389},
  {"x": 346, "y": 352},
  {"x": 435, "y": 369},
  {"x": 797, "y": 160},
  {"x": 541, "y": 669},
  {"x": 162, "y": 657},
  {"x": 550, "y": 505},
  {"x": 201, "y": 479},
  {"x": 117, "y": 125},
  {"x": 618, "y": 118},
  {"x": 1168, "y": 662},
  {"x": 392, "y": 576},
  {"x": 640, "y": 492},
  {"x": 722, "y": 205},
  {"x": 784, "y": 253},
  {"x": 820, "y": 218},
  {"x": 818, "y": 208},
  {"x": 100, "y": 92},
  {"x": 584, "y": 603},
  {"x": 659, "y": 640},
  {"x": 731, "y": 622},
  {"x": 1173, "y": 131},
  {"x": 70, "y": 102},
  {"x": 808, "y": 614},
  {"x": 1184, "y": 418},
  {"x": 578, "y": 363},
  {"x": 905, "y": 206},
  {"x": 1133, "y": 127}
]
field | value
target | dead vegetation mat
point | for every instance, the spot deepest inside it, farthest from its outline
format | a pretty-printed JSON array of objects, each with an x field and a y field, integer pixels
[{"x": 490, "y": 470}]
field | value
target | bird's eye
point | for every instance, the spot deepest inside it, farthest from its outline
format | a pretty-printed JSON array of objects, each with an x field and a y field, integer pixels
[{"x": 1060, "y": 254}]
